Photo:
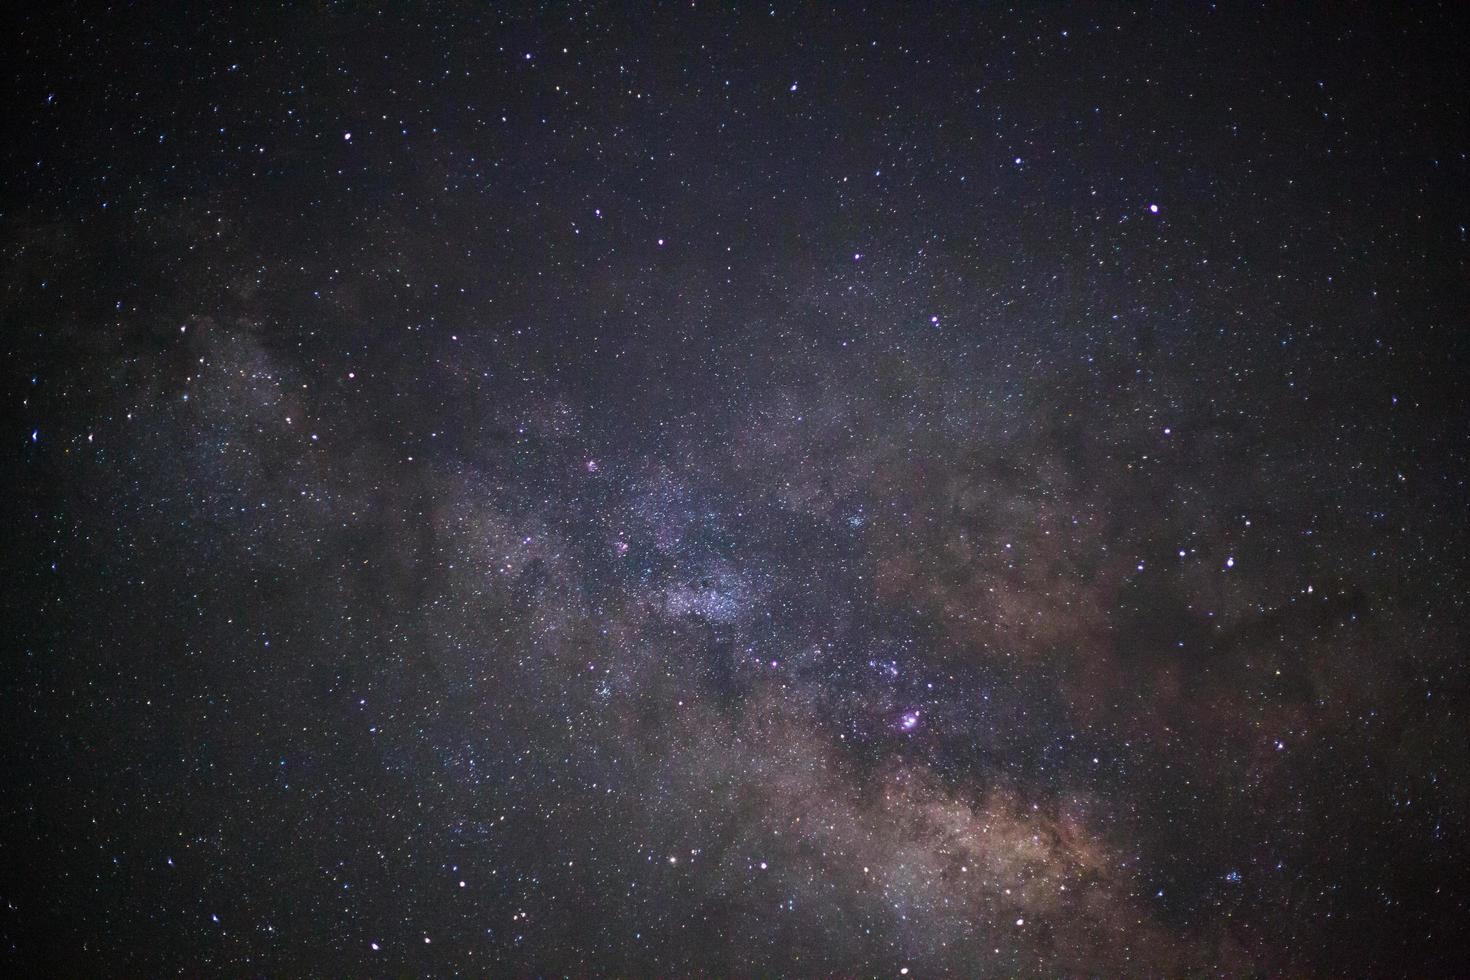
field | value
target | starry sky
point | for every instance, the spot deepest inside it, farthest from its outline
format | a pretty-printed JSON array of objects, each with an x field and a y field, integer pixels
[{"x": 672, "y": 490}]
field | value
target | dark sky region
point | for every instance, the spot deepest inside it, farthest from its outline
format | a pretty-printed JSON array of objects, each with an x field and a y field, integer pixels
[{"x": 696, "y": 490}]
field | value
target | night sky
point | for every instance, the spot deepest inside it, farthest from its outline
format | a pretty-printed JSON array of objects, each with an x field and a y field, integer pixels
[{"x": 799, "y": 490}]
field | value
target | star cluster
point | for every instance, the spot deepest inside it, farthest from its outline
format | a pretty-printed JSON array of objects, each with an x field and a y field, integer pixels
[{"x": 736, "y": 491}]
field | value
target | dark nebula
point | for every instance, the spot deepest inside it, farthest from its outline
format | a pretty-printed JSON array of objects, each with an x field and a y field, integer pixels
[{"x": 678, "y": 489}]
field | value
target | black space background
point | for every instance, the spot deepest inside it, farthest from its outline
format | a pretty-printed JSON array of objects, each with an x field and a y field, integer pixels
[{"x": 744, "y": 490}]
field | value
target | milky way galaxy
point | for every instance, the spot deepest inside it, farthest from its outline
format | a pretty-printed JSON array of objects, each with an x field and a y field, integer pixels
[{"x": 800, "y": 491}]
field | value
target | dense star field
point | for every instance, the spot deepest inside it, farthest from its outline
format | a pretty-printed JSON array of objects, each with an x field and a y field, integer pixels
[{"x": 891, "y": 491}]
